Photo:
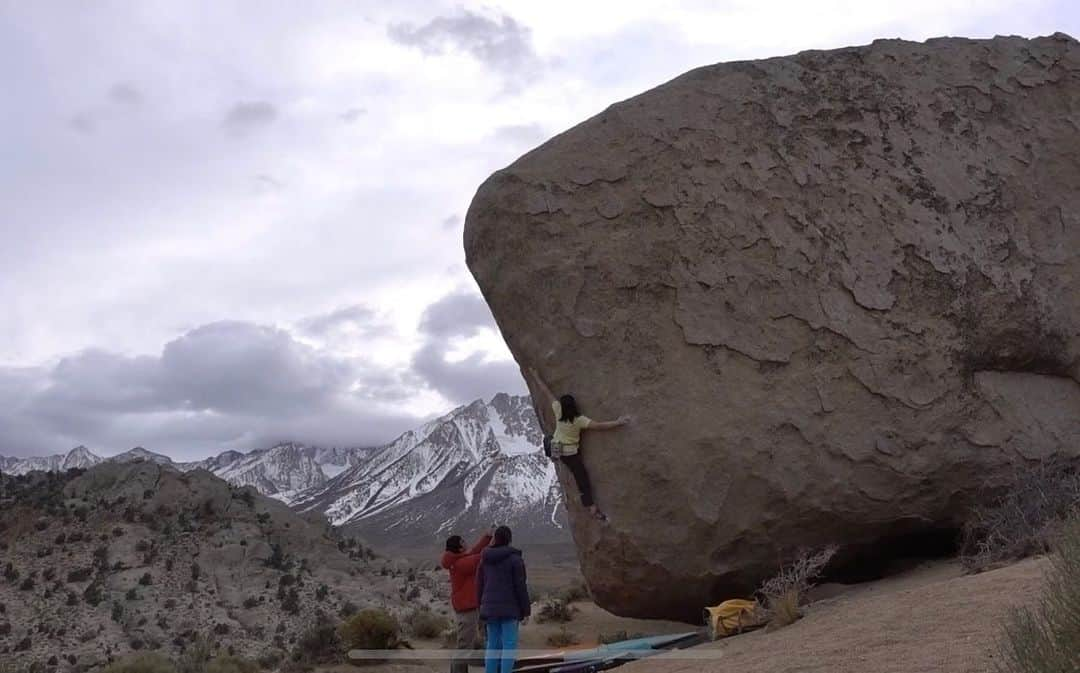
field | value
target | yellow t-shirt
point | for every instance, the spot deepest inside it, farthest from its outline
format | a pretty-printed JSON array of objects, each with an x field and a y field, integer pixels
[{"x": 568, "y": 434}]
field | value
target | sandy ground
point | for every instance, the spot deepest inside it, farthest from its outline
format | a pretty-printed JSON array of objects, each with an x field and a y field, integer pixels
[{"x": 931, "y": 618}]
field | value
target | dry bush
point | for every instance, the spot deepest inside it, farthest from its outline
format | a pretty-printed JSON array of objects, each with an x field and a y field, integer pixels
[
  {"x": 785, "y": 592},
  {"x": 425, "y": 624},
  {"x": 150, "y": 662},
  {"x": 555, "y": 610},
  {"x": 562, "y": 638},
  {"x": 319, "y": 644},
  {"x": 227, "y": 664},
  {"x": 1045, "y": 638},
  {"x": 618, "y": 636},
  {"x": 574, "y": 592},
  {"x": 1023, "y": 521},
  {"x": 371, "y": 629}
]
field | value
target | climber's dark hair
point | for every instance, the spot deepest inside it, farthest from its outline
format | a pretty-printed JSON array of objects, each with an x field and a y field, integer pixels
[
  {"x": 454, "y": 543},
  {"x": 569, "y": 408},
  {"x": 502, "y": 537}
]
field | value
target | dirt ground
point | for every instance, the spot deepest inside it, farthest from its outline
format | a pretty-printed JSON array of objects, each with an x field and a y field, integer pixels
[{"x": 930, "y": 619}]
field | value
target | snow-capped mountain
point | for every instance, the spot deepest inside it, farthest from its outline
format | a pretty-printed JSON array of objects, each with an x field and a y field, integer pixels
[
  {"x": 279, "y": 471},
  {"x": 477, "y": 465},
  {"x": 79, "y": 457}
]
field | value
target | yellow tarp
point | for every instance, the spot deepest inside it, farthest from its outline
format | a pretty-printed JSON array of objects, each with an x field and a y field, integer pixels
[{"x": 734, "y": 616}]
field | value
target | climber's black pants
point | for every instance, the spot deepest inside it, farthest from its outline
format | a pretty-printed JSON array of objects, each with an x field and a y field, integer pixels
[{"x": 581, "y": 476}]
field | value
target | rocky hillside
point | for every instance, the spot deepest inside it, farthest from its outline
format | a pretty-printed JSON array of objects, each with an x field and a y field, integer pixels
[
  {"x": 479, "y": 464},
  {"x": 140, "y": 556}
]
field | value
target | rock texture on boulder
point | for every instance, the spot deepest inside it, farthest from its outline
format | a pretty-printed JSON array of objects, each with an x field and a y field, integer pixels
[{"x": 838, "y": 291}]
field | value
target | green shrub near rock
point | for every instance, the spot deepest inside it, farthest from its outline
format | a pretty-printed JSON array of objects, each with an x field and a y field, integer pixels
[
  {"x": 1045, "y": 638},
  {"x": 371, "y": 629}
]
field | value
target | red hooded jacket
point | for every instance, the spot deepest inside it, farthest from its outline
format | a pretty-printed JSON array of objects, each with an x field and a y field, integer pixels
[{"x": 462, "y": 567}]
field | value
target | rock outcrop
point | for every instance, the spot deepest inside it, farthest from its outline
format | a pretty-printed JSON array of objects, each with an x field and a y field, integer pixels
[{"x": 839, "y": 292}]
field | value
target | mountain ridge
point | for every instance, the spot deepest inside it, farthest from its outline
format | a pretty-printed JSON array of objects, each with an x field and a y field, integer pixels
[{"x": 476, "y": 465}]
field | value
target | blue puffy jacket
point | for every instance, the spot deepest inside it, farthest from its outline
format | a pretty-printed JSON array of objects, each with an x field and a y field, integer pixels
[{"x": 501, "y": 586}]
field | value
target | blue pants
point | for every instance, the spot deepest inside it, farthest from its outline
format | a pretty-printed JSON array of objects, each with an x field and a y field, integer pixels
[{"x": 502, "y": 639}]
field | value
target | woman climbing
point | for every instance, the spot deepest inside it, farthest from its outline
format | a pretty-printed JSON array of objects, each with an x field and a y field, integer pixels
[{"x": 566, "y": 440}]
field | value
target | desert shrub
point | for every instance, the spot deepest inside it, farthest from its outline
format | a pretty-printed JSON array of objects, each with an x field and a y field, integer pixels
[
  {"x": 80, "y": 574},
  {"x": 1045, "y": 638},
  {"x": 321, "y": 592},
  {"x": 195, "y": 655},
  {"x": 117, "y": 612},
  {"x": 1024, "y": 520},
  {"x": 784, "y": 593},
  {"x": 11, "y": 573},
  {"x": 555, "y": 610},
  {"x": 250, "y": 602},
  {"x": 320, "y": 644},
  {"x": 291, "y": 602},
  {"x": 5, "y": 629},
  {"x": 277, "y": 559},
  {"x": 574, "y": 592},
  {"x": 371, "y": 629},
  {"x": 132, "y": 594},
  {"x": 146, "y": 580},
  {"x": 196, "y": 570},
  {"x": 27, "y": 584},
  {"x": 93, "y": 593},
  {"x": 72, "y": 598},
  {"x": 425, "y": 624},
  {"x": 562, "y": 638},
  {"x": 348, "y": 609},
  {"x": 231, "y": 664}
]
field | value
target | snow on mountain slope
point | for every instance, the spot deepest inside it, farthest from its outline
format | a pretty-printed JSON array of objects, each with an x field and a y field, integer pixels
[
  {"x": 476, "y": 465},
  {"x": 280, "y": 471},
  {"x": 79, "y": 457}
]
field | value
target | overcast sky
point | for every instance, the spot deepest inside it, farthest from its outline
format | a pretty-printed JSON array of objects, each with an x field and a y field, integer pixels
[{"x": 224, "y": 224}]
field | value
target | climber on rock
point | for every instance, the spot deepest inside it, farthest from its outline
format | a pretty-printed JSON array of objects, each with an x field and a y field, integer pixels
[{"x": 566, "y": 439}]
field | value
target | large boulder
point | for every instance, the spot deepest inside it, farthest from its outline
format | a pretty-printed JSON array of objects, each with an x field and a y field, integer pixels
[{"x": 839, "y": 292}]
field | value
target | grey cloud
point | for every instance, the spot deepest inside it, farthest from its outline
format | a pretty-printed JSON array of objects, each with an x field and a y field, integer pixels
[
  {"x": 125, "y": 94},
  {"x": 250, "y": 114},
  {"x": 520, "y": 134},
  {"x": 241, "y": 367},
  {"x": 268, "y": 183},
  {"x": 451, "y": 221},
  {"x": 461, "y": 314},
  {"x": 501, "y": 43},
  {"x": 226, "y": 383},
  {"x": 83, "y": 123},
  {"x": 458, "y": 314},
  {"x": 357, "y": 318},
  {"x": 352, "y": 114},
  {"x": 466, "y": 380}
]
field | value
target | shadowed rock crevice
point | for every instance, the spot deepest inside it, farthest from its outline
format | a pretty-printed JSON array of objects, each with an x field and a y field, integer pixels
[{"x": 839, "y": 292}]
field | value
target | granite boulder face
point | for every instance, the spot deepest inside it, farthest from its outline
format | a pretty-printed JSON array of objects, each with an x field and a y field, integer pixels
[{"x": 839, "y": 292}]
